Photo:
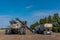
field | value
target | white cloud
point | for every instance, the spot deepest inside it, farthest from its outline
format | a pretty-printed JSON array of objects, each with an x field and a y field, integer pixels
[{"x": 28, "y": 7}]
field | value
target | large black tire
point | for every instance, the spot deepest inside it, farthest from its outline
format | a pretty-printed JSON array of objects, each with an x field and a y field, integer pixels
[
  {"x": 14, "y": 31},
  {"x": 8, "y": 31},
  {"x": 22, "y": 31},
  {"x": 45, "y": 33},
  {"x": 19, "y": 31}
]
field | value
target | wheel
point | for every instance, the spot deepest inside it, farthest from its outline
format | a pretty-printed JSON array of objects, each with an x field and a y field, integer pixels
[
  {"x": 7, "y": 31},
  {"x": 19, "y": 31},
  {"x": 24, "y": 31},
  {"x": 44, "y": 33},
  {"x": 14, "y": 31}
]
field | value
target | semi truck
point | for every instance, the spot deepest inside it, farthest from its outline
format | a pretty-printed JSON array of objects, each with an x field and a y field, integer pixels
[{"x": 43, "y": 29}]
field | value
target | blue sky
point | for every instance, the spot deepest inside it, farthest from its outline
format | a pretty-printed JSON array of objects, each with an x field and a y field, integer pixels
[{"x": 30, "y": 10}]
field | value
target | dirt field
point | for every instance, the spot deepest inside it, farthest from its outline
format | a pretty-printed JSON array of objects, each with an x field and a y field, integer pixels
[
  {"x": 30, "y": 37},
  {"x": 55, "y": 36}
]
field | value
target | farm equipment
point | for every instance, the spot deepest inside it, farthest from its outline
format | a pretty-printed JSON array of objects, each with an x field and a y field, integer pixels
[
  {"x": 17, "y": 27},
  {"x": 45, "y": 29},
  {"x": 23, "y": 24}
]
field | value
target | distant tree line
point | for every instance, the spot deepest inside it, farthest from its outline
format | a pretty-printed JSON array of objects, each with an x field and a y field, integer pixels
[{"x": 55, "y": 20}]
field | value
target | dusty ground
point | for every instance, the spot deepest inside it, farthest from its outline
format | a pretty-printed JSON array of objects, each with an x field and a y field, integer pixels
[{"x": 55, "y": 36}]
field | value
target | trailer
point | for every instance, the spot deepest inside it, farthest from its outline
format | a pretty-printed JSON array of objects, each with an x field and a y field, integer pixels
[{"x": 43, "y": 29}]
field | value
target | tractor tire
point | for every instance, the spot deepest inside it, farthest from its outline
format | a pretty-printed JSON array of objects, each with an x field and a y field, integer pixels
[
  {"x": 7, "y": 31},
  {"x": 24, "y": 31},
  {"x": 45, "y": 33},
  {"x": 14, "y": 31},
  {"x": 19, "y": 31}
]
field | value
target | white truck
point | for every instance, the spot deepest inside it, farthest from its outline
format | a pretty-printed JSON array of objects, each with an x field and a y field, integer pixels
[{"x": 43, "y": 29}]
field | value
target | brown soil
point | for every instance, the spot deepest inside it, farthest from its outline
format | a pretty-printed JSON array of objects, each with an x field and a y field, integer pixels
[{"x": 28, "y": 36}]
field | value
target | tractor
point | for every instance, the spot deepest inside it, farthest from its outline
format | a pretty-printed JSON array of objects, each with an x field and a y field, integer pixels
[{"x": 16, "y": 27}]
